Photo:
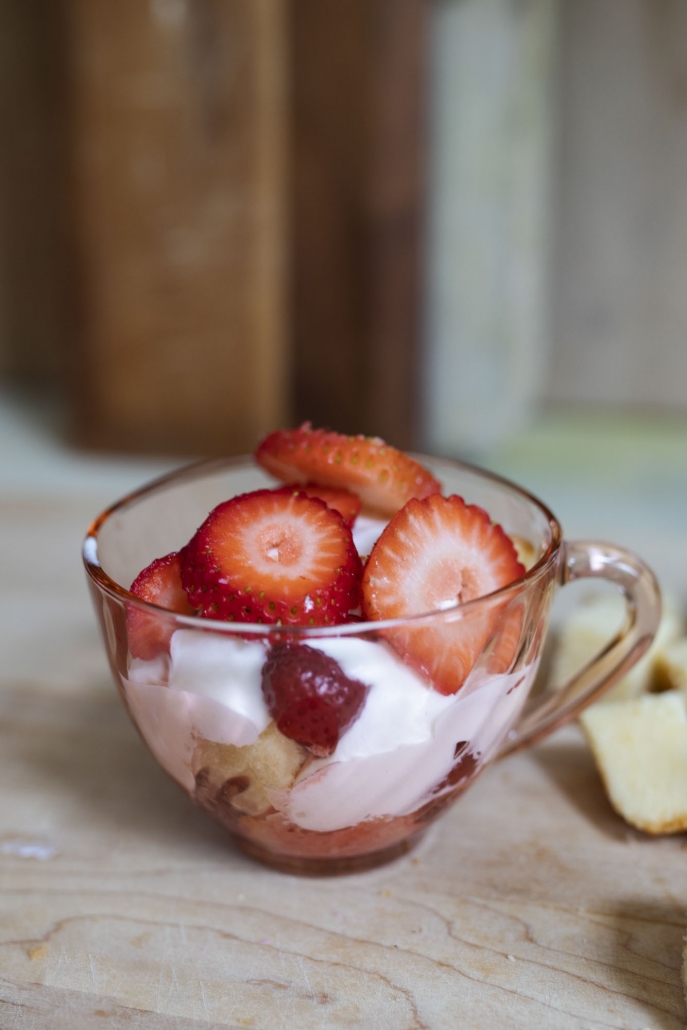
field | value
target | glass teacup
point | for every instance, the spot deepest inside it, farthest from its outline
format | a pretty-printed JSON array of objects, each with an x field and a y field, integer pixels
[{"x": 412, "y": 751}]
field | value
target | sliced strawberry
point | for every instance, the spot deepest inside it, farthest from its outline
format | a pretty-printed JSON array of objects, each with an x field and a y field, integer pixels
[
  {"x": 159, "y": 584},
  {"x": 437, "y": 553},
  {"x": 309, "y": 697},
  {"x": 507, "y": 636},
  {"x": 343, "y": 501},
  {"x": 383, "y": 477},
  {"x": 273, "y": 556}
]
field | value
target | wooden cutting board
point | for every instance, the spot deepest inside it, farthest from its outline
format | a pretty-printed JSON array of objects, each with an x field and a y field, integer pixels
[{"x": 530, "y": 904}]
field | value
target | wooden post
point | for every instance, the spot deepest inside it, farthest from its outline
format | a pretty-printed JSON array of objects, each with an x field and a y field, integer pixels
[
  {"x": 358, "y": 137},
  {"x": 178, "y": 122},
  {"x": 488, "y": 255},
  {"x": 34, "y": 276}
]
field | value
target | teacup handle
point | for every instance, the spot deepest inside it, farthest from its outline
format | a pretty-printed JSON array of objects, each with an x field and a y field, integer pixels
[{"x": 591, "y": 559}]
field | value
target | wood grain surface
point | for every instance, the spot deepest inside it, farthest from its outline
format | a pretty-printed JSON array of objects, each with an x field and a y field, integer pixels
[{"x": 530, "y": 904}]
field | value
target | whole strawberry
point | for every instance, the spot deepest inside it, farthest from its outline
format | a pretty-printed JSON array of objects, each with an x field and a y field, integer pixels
[{"x": 309, "y": 697}]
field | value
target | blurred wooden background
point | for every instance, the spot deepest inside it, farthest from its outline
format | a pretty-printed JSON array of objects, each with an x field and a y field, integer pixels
[
  {"x": 619, "y": 313},
  {"x": 558, "y": 215},
  {"x": 34, "y": 220},
  {"x": 211, "y": 213},
  {"x": 421, "y": 218},
  {"x": 178, "y": 123}
]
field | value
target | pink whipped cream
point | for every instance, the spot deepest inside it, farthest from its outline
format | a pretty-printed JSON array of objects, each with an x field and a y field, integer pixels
[{"x": 389, "y": 761}]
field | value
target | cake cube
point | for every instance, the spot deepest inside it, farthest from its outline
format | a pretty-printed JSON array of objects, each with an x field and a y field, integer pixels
[
  {"x": 591, "y": 626},
  {"x": 640, "y": 748},
  {"x": 245, "y": 775}
]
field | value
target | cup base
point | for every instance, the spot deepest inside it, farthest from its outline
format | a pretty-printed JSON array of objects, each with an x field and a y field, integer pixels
[{"x": 300, "y": 866}]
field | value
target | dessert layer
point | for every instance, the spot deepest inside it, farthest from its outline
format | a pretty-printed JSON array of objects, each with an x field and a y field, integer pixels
[{"x": 402, "y": 746}]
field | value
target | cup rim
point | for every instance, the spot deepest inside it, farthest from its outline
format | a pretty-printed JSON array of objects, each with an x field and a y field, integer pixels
[{"x": 197, "y": 469}]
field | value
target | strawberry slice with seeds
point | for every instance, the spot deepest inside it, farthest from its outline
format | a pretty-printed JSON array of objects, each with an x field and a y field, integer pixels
[
  {"x": 383, "y": 477},
  {"x": 507, "y": 639},
  {"x": 273, "y": 556},
  {"x": 346, "y": 503},
  {"x": 160, "y": 584},
  {"x": 308, "y": 695},
  {"x": 435, "y": 554}
]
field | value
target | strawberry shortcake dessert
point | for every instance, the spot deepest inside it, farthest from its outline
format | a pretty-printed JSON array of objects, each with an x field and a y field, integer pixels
[{"x": 345, "y": 688}]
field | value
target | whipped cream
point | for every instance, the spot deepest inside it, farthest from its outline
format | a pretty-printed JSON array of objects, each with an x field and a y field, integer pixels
[
  {"x": 334, "y": 794},
  {"x": 209, "y": 687},
  {"x": 399, "y": 709},
  {"x": 366, "y": 532},
  {"x": 225, "y": 668},
  {"x": 401, "y": 746}
]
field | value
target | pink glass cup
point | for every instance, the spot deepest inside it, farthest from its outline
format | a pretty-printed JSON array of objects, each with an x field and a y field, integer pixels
[{"x": 412, "y": 751}]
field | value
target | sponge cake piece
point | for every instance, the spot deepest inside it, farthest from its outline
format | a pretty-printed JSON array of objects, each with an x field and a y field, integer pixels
[
  {"x": 640, "y": 747},
  {"x": 591, "y": 626}
]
